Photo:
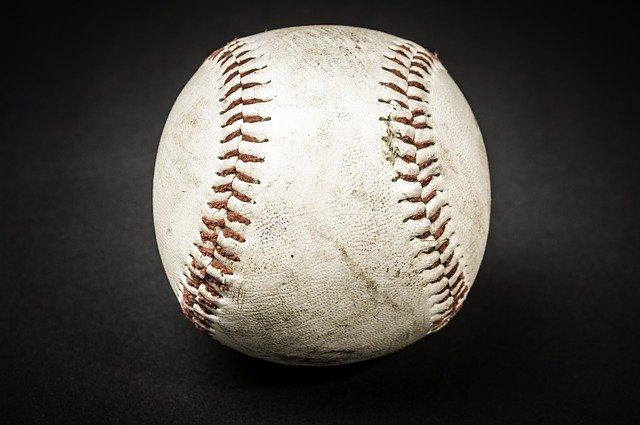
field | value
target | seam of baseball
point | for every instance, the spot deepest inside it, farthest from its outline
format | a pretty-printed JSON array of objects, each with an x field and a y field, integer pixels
[
  {"x": 210, "y": 268},
  {"x": 413, "y": 153}
]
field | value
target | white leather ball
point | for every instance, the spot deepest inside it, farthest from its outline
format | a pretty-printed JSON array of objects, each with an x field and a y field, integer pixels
[{"x": 321, "y": 195}]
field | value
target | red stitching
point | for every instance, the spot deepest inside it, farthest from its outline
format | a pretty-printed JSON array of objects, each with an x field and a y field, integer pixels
[
  {"x": 422, "y": 61},
  {"x": 209, "y": 244}
]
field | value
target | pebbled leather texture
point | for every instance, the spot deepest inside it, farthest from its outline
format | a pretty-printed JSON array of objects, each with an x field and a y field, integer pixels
[{"x": 321, "y": 195}]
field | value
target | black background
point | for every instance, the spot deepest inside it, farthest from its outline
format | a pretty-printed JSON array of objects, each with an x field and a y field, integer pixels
[{"x": 91, "y": 331}]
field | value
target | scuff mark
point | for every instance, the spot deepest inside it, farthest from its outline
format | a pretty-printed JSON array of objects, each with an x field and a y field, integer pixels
[
  {"x": 390, "y": 151},
  {"x": 372, "y": 286}
]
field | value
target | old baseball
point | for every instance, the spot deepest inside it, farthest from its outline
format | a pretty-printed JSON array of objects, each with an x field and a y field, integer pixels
[{"x": 321, "y": 195}]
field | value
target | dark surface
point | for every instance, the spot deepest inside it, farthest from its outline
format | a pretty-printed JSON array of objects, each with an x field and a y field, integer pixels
[{"x": 91, "y": 331}]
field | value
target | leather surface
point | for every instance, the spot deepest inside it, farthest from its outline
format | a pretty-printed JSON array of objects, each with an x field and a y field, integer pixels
[{"x": 334, "y": 266}]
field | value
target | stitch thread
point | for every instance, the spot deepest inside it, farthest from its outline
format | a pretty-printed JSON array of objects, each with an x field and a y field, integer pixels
[
  {"x": 209, "y": 269},
  {"x": 410, "y": 68}
]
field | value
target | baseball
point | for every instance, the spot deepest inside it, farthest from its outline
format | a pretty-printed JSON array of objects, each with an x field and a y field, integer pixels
[{"x": 321, "y": 195}]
